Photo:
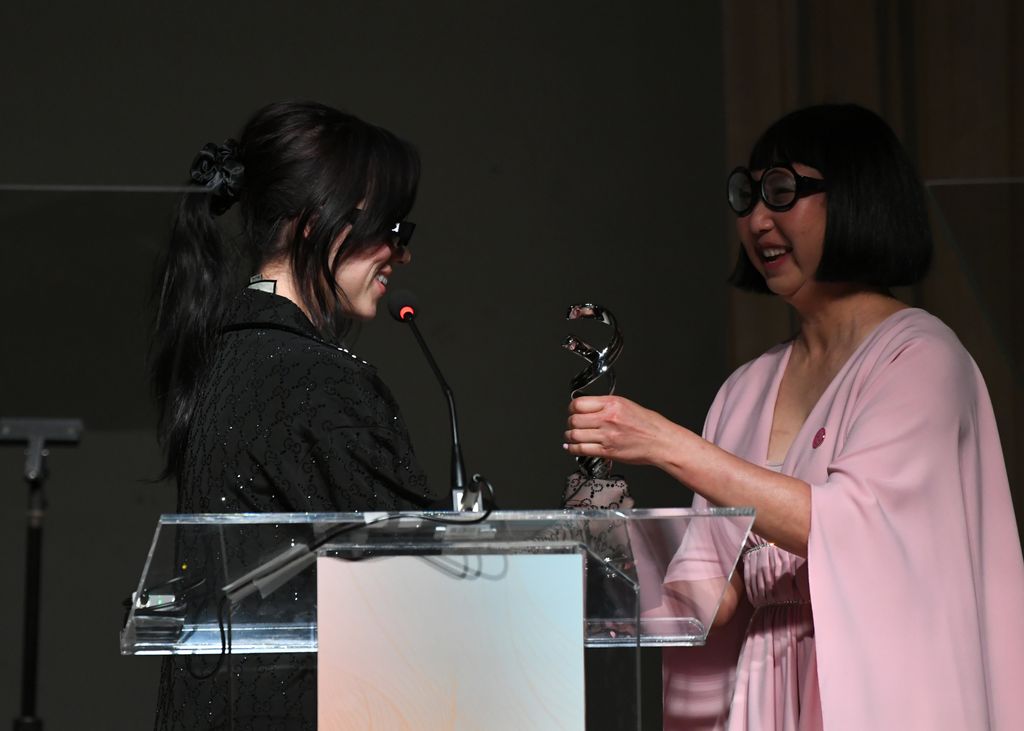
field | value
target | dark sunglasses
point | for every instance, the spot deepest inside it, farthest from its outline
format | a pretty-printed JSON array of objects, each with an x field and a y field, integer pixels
[
  {"x": 399, "y": 235},
  {"x": 780, "y": 187}
]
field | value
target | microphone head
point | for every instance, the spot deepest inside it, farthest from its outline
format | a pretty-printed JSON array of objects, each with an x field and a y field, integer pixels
[{"x": 402, "y": 305}]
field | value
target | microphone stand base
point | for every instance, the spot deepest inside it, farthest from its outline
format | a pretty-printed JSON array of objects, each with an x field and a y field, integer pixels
[{"x": 476, "y": 496}]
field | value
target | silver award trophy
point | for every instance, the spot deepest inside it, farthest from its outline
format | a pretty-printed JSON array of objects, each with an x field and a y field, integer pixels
[
  {"x": 600, "y": 366},
  {"x": 592, "y": 485}
]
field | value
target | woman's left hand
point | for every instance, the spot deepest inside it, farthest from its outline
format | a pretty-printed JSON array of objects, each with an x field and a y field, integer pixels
[{"x": 615, "y": 428}]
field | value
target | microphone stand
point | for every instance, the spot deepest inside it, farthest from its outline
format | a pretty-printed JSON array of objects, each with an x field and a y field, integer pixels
[
  {"x": 458, "y": 468},
  {"x": 37, "y": 432}
]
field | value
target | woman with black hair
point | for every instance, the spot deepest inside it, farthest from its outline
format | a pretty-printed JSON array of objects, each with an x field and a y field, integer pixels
[
  {"x": 262, "y": 408},
  {"x": 868, "y": 446}
]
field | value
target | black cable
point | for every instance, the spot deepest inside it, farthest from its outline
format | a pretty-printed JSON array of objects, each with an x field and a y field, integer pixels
[
  {"x": 224, "y": 644},
  {"x": 231, "y": 671}
]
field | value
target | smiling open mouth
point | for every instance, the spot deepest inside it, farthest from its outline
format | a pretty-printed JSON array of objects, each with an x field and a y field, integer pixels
[{"x": 770, "y": 255}]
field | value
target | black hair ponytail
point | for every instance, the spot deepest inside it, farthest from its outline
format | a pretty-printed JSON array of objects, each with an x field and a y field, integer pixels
[{"x": 196, "y": 276}]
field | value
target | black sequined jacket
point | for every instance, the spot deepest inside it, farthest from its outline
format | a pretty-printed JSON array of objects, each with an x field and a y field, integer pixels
[{"x": 285, "y": 422}]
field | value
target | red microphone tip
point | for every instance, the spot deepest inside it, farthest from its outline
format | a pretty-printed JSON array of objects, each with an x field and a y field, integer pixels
[{"x": 406, "y": 312}]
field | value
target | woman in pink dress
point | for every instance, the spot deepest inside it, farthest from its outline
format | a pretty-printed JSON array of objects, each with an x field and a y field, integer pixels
[{"x": 883, "y": 586}]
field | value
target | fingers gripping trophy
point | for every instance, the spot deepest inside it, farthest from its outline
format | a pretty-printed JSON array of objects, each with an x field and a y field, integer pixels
[{"x": 593, "y": 485}]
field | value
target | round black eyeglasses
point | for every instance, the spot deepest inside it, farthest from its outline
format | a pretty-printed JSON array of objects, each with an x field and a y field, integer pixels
[{"x": 780, "y": 187}]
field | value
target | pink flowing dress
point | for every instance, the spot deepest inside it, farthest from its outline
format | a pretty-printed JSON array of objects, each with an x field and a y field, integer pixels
[{"x": 908, "y": 612}]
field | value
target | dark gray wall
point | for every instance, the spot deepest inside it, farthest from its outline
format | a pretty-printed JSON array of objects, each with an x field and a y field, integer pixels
[{"x": 572, "y": 151}]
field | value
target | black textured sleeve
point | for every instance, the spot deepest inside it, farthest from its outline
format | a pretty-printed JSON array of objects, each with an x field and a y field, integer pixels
[
  {"x": 336, "y": 440},
  {"x": 360, "y": 444}
]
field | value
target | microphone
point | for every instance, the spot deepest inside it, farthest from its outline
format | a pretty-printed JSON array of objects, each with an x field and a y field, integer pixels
[{"x": 403, "y": 306}]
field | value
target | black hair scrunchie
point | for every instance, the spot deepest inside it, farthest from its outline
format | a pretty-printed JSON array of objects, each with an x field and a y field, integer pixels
[{"x": 218, "y": 168}]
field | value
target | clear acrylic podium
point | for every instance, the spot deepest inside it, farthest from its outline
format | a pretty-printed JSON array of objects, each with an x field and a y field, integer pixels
[{"x": 246, "y": 583}]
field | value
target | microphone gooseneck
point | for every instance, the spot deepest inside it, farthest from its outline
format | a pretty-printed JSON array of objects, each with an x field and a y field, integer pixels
[{"x": 403, "y": 307}]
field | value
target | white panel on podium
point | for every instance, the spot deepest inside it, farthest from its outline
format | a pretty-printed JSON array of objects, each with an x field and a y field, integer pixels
[{"x": 454, "y": 642}]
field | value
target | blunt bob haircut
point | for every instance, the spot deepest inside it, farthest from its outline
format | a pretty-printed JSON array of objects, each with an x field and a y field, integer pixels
[{"x": 876, "y": 232}]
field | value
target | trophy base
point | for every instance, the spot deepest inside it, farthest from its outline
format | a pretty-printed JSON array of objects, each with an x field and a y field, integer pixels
[{"x": 599, "y": 493}]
